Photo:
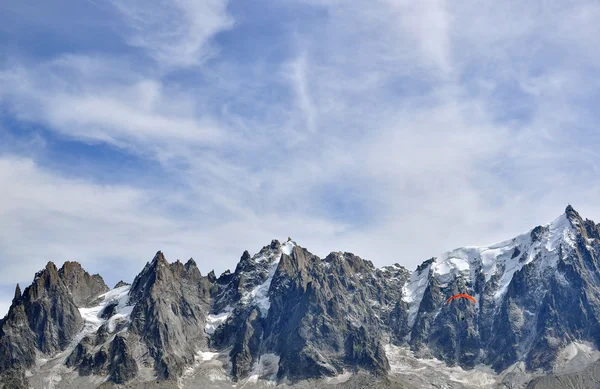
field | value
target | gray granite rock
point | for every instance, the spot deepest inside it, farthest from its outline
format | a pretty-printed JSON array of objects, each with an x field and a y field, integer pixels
[{"x": 84, "y": 287}]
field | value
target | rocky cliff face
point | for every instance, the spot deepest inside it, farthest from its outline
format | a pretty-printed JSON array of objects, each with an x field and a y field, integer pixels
[
  {"x": 535, "y": 295},
  {"x": 83, "y": 287},
  {"x": 317, "y": 317},
  {"x": 43, "y": 319},
  {"x": 154, "y": 324},
  {"x": 287, "y": 315},
  {"x": 171, "y": 302}
]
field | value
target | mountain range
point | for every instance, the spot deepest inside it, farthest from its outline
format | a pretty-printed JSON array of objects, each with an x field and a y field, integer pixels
[{"x": 287, "y": 317}]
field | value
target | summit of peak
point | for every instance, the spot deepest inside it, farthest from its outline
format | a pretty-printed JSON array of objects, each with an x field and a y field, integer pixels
[
  {"x": 291, "y": 241},
  {"x": 18, "y": 294},
  {"x": 50, "y": 266},
  {"x": 572, "y": 215},
  {"x": 288, "y": 247},
  {"x": 71, "y": 264},
  {"x": 159, "y": 258}
]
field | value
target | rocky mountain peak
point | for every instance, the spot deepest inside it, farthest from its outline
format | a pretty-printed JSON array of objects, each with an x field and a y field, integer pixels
[
  {"x": 574, "y": 218},
  {"x": 17, "y": 296},
  {"x": 71, "y": 267},
  {"x": 120, "y": 284},
  {"x": 244, "y": 262},
  {"x": 425, "y": 264},
  {"x": 571, "y": 212},
  {"x": 83, "y": 286},
  {"x": 191, "y": 263},
  {"x": 287, "y": 315},
  {"x": 587, "y": 228},
  {"x": 211, "y": 276},
  {"x": 42, "y": 320},
  {"x": 160, "y": 271},
  {"x": 159, "y": 257},
  {"x": 170, "y": 305},
  {"x": 45, "y": 279}
]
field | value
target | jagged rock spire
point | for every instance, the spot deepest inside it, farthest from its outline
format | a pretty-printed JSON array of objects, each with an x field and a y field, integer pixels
[
  {"x": 211, "y": 276},
  {"x": 120, "y": 284},
  {"x": 17, "y": 294},
  {"x": 571, "y": 213}
]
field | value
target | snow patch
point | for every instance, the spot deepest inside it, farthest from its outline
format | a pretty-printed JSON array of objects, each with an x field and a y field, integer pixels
[
  {"x": 200, "y": 358},
  {"x": 122, "y": 311},
  {"x": 206, "y": 355},
  {"x": 561, "y": 279},
  {"x": 450, "y": 266},
  {"x": 506, "y": 258},
  {"x": 214, "y": 321},
  {"x": 260, "y": 294},
  {"x": 288, "y": 247},
  {"x": 412, "y": 293},
  {"x": 560, "y": 231},
  {"x": 502, "y": 259}
]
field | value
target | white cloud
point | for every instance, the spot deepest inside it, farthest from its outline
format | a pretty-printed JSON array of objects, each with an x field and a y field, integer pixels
[
  {"x": 400, "y": 106},
  {"x": 428, "y": 24},
  {"x": 298, "y": 78},
  {"x": 176, "y": 33},
  {"x": 81, "y": 97}
]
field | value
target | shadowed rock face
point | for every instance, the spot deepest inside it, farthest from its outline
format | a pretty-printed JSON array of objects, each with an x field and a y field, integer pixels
[
  {"x": 171, "y": 301},
  {"x": 120, "y": 284},
  {"x": 17, "y": 341},
  {"x": 550, "y": 300},
  {"x": 43, "y": 319},
  {"x": 167, "y": 322},
  {"x": 51, "y": 311},
  {"x": 93, "y": 355},
  {"x": 84, "y": 287},
  {"x": 323, "y": 316}
]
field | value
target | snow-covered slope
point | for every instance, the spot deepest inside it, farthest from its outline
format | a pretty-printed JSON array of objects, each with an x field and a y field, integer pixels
[
  {"x": 118, "y": 300},
  {"x": 535, "y": 293},
  {"x": 501, "y": 260}
]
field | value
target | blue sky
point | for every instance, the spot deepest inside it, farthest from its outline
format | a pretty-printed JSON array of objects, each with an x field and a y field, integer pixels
[{"x": 393, "y": 129}]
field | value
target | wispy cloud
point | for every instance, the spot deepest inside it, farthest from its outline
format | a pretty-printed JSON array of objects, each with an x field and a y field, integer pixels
[
  {"x": 175, "y": 33},
  {"x": 297, "y": 71},
  {"x": 392, "y": 129},
  {"x": 81, "y": 98}
]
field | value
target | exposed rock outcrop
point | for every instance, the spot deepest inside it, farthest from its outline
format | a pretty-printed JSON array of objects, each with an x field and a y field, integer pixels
[
  {"x": 43, "y": 319},
  {"x": 83, "y": 287},
  {"x": 171, "y": 301}
]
